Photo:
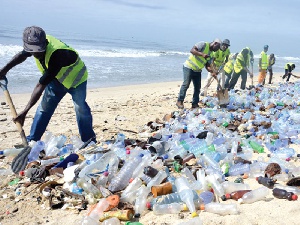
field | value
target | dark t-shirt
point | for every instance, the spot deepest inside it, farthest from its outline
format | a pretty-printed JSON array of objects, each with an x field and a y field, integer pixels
[{"x": 60, "y": 58}]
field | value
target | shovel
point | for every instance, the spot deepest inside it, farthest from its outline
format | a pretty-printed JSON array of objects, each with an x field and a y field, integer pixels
[
  {"x": 222, "y": 95},
  {"x": 20, "y": 161}
]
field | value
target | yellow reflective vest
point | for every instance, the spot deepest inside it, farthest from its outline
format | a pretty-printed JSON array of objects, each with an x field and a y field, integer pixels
[
  {"x": 238, "y": 67},
  {"x": 228, "y": 67},
  {"x": 220, "y": 56},
  {"x": 70, "y": 76},
  {"x": 264, "y": 60},
  {"x": 197, "y": 63}
]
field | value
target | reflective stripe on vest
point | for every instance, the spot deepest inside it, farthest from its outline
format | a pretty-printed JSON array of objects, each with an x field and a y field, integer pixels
[
  {"x": 264, "y": 60},
  {"x": 220, "y": 56},
  {"x": 70, "y": 76},
  {"x": 196, "y": 63}
]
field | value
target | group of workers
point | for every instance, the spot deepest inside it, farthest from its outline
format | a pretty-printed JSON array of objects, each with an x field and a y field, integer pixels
[
  {"x": 64, "y": 72},
  {"x": 215, "y": 56}
]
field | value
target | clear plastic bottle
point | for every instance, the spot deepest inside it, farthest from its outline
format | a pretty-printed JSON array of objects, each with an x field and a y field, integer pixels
[
  {"x": 221, "y": 209},
  {"x": 121, "y": 180},
  {"x": 199, "y": 148},
  {"x": 171, "y": 208},
  {"x": 129, "y": 194},
  {"x": 51, "y": 161},
  {"x": 239, "y": 169},
  {"x": 206, "y": 197},
  {"x": 186, "y": 194},
  {"x": 141, "y": 199},
  {"x": 254, "y": 195},
  {"x": 35, "y": 151},
  {"x": 283, "y": 194},
  {"x": 210, "y": 161},
  {"x": 111, "y": 221},
  {"x": 147, "y": 160},
  {"x": 218, "y": 189},
  {"x": 93, "y": 216},
  {"x": 11, "y": 151},
  {"x": 89, "y": 188},
  {"x": 102, "y": 180},
  {"x": 284, "y": 154},
  {"x": 101, "y": 164},
  {"x": 232, "y": 186},
  {"x": 195, "y": 185},
  {"x": 160, "y": 176}
]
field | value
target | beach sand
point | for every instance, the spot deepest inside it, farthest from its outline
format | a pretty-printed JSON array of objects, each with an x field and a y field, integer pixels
[{"x": 125, "y": 109}]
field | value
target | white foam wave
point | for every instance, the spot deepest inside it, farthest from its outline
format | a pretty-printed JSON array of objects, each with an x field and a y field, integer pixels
[{"x": 9, "y": 50}]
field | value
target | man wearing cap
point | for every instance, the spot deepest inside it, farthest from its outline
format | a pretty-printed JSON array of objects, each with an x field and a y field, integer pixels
[
  {"x": 241, "y": 68},
  {"x": 220, "y": 58},
  {"x": 192, "y": 68},
  {"x": 62, "y": 72},
  {"x": 288, "y": 68},
  {"x": 263, "y": 65}
]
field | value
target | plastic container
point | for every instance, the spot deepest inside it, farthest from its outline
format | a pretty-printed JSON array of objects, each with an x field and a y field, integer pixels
[
  {"x": 210, "y": 161},
  {"x": 206, "y": 197},
  {"x": 199, "y": 148},
  {"x": 102, "y": 180},
  {"x": 51, "y": 161},
  {"x": 283, "y": 194},
  {"x": 141, "y": 199},
  {"x": 160, "y": 176},
  {"x": 267, "y": 182},
  {"x": 218, "y": 189},
  {"x": 284, "y": 154},
  {"x": 186, "y": 194},
  {"x": 171, "y": 208},
  {"x": 295, "y": 190},
  {"x": 111, "y": 221},
  {"x": 256, "y": 146},
  {"x": 89, "y": 188},
  {"x": 11, "y": 152},
  {"x": 236, "y": 195},
  {"x": 147, "y": 160},
  {"x": 239, "y": 169},
  {"x": 121, "y": 180},
  {"x": 35, "y": 151},
  {"x": 93, "y": 216},
  {"x": 254, "y": 195},
  {"x": 221, "y": 209}
]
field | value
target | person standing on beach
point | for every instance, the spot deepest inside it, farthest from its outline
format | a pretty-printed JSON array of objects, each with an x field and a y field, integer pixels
[
  {"x": 220, "y": 57},
  {"x": 271, "y": 62},
  {"x": 288, "y": 68},
  {"x": 199, "y": 58},
  {"x": 263, "y": 65},
  {"x": 241, "y": 68},
  {"x": 62, "y": 72},
  {"x": 228, "y": 68}
]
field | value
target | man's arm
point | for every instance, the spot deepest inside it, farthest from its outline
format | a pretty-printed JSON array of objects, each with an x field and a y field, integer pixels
[
  {"x": 16, "y": 60},
  {"x": 197, "y": 52},
  {"x": 35, "y": 96}
]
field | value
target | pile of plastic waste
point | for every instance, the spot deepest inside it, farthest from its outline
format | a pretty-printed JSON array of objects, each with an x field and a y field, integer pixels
[{"x": 183, "y": 165}]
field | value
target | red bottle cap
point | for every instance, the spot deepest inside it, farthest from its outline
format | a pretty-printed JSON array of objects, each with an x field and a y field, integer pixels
[
  {"x": 294, "y": 197},
  {"x": 148, "y": 205},
  {"x": 127, "y": 152},
  {"x": 22, "y": 173},
  {"x": 105, "y": 173},
  {"x": 131, "y": 179}
]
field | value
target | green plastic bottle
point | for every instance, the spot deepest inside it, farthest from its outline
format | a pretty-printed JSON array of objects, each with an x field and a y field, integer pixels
[
  {"x": 256, "y": 146},
  {"x": 133, "y": 223}
]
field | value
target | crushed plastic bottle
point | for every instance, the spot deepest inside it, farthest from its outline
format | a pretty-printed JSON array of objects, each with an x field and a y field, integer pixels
[
  {"x": 35, "y": 151},
  {"x": 172, "y": 208},
  {"x": 254, "y": 195},
  {"x": 221, "y": 209}
]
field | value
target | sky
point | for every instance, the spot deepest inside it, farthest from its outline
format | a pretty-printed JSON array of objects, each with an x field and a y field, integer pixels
[{"x": 178, "y": 23}]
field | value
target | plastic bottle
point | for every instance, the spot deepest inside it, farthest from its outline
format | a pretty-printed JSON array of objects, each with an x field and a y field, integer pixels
[
  {"x": 89, "y": 188},
  {"x": 218, "y": 189},
  {"x": 76, "y": 141},
  {"x": 256, "y": 146},
  {"x": 235, "y": 195},
  {"x": 186, "y": 194},
  {"x": 283, "y": 194},
  {"x": 254, "y": 195},
  {"x": 239, "y": 169},
  {"x": 150, "y": 171},
  {"x": 147, "y": 160},
  {"x": 199, "y": 148},
  {"x": 210, "y": 161},
  {"x": 94, "y": 215},
  {"x": 102, "y": 180},
  {"x": 101, "y": 164},
  {"x": 121, "y": 180},
  {"x": 11, "y": 151},
  {"x": 295, "y": 190},
  {"x": 35, "y": 151},
  {"x": 195, "y": 185},
  {"x": 267, "y": 182},
  {"x": 111, "y": 221},
  {"x": 141, "y": 199},
  {"x": 221, "y": 209},
  {"x": 171, "y": 208},
  {"x": 193, "y": 221},
  {"x": 160, "y": 176},
  {"x": 51, "y": 161},
  {"x": 5, "y": 172},
  {"x": 232, "y": 186},
  {"x": 206, "y": 197},
  {"x": 284, "y": 154},
  {"x": 129, "y": 194}
]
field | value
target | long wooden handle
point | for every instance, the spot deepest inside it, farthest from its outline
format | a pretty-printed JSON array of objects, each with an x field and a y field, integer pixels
[{"x": 14, "y": 114}]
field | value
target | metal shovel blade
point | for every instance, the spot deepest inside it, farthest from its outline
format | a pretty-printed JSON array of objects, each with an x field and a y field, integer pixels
[{"x": 223, "y": 97}]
